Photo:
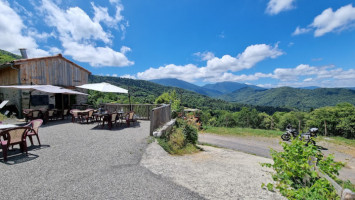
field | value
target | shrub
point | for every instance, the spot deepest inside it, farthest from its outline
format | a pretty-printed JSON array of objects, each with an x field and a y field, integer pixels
[
  {"x": 2, "y": 117},
  {"x": 190, "y": 134},
  {"x": 295, "y": 177}
]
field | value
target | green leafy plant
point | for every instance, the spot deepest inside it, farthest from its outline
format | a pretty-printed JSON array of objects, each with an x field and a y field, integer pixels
[
  {"x": 295, "y": 176},
  {"x": 190, "y": 134}
]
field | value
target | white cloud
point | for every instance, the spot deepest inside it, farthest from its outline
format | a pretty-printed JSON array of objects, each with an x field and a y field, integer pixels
[
  {"x": 114, "y": 75},
  {"x": 330, "y": 21},
  {"x": 79, "y": 33},
  {"x": 276, "y": 6},
  {"x": 238, "y": 78},
  {"x": 305, "y": 75},
  {"x": 205, "y": 55},
  {"x": 101, "y": 14},
  {"x": 251, "y": 56},
  {"x": 128, "y": 76},
  {"x": 74, "y": 23},
  {"x": 216, "y": 68},
  {"x": 300, "y": 31},
  {"x": 95, "y": 56},
  {"x": 187, "y": 72},
  {"x": 13, "y": 35}
]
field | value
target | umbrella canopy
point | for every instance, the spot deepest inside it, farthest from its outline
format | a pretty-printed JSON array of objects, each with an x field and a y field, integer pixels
[
  {"x": 44, "y": 88},
  {"x": 103, "y": 87}
]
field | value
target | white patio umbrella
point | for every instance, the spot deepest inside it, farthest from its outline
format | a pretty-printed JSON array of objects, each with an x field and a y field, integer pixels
[
  {"x": 103, "y": 87},
  {"x": 43, "y": 88},
  {"x": 106, "y": 87}
]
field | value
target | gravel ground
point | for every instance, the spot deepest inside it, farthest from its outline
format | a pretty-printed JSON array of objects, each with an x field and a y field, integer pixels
[
  {"x": 81, "y": 161},
  {"x": 214, "y": 173}
]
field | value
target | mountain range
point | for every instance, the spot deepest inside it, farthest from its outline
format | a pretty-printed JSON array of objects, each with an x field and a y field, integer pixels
[{"x": 301, "y": 98}]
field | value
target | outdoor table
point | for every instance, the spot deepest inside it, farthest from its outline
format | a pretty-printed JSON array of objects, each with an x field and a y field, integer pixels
[
  {"x": 6, "y": 126},
  {"x": 81, "y": 113}
]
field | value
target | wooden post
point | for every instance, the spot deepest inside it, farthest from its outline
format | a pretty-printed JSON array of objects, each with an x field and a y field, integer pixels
[
  {"x": 325, "y": 128},
  {"x": 151, "y": 122}
]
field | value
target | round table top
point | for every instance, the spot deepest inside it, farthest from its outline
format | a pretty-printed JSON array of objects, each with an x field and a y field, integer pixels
[{"x": 3, "y": 126}]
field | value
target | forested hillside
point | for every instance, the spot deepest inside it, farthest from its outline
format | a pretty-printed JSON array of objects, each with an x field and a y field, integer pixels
[
  {"x": 303, "y": 99},
  {"x": 173, "y": 82},
  {"x": 228, "y": 87},
  {"x": 146, "y": 92},
  {"x": 6, "y": 56}
]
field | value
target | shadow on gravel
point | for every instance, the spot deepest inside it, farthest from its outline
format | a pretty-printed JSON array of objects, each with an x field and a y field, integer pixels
[
  {"x": 15, "y": 156},
  {"x": 321, "y": 148},
  {"x": 18, "y": 158},
  {"x": 117, "y": 127}
]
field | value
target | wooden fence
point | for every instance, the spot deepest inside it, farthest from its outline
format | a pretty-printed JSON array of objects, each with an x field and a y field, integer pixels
[
  {"x": 159, "y": 116},
  {"x": 344, "y": 194},
  {"x": 142, "y": 111}
]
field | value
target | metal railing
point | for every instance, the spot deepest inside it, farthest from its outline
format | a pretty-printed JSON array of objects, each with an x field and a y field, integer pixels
[{"x": 159, "y": 116}]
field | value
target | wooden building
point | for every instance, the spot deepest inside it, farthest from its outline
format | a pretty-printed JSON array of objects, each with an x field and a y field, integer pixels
[{"x": 52, "y": 70}]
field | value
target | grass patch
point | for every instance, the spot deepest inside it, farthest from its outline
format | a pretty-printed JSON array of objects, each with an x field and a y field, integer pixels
[
  {"x": 188, "y": 149},
  {"x": 237, "y": 131},
  {"x": 339, "y": 140},
  {"x": 346, "y": 184}
]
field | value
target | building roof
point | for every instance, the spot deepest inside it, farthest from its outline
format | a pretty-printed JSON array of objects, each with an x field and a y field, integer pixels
[{"x": 21, "y": 61}]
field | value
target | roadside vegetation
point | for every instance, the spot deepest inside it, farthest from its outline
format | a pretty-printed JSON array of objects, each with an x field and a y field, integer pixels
[
  {"x": 2, "y": 117},
  {"x": 294, "y": 174},
  {"x": 181, "y": 140}
]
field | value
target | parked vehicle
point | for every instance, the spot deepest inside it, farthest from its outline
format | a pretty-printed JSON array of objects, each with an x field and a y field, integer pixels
[
  {"x": 290, "y": 132},
  {"x": 308, "y": 136}
]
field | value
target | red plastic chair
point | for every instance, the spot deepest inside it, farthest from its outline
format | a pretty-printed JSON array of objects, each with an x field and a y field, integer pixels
[
  {"x": 14, "y": 136},
  {"x": 130, "y": 118},
  {"x": 74, "y": 115},
  {"x": 34, "y": 125}
]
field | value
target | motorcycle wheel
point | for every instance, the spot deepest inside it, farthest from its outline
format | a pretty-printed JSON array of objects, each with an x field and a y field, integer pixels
[{"x": 285, "y": 137}]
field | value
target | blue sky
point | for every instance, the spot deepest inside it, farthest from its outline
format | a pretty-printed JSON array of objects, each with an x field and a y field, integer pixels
[{"x": 269, "y": 43}]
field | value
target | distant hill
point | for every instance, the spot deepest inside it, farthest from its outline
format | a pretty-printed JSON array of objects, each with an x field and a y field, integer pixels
[
  {"x": 228, "y": 87},
  {"x": 173, "y": 82},
  {"x": 146, "y": 92},
  {"x": 211, "y": 90},
  {"x": 6, "y": 56},
  {"x": 309, "y": 87},
  {"x": 288, "y": 97}
]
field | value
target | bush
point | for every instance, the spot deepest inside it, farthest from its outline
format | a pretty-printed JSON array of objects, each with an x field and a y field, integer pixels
[
  {"x": 295, "y": 177},
  {"x": 190, "y": 134},
  {"x": 181, "y": 140},
  {"x": 2, "y": 117}
]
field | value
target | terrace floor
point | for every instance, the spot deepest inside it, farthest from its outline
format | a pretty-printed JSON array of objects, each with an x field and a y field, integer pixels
[{"x": 82, "y": 161}]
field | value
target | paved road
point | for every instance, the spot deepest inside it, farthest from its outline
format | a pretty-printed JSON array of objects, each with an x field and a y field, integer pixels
[
  {"x": 261, "y": 147},
  {"x": 254, "y": 146},
  {"x": 81, "y": 161}
]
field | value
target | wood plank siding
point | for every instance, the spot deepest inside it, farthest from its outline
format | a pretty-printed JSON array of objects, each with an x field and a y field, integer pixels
[
  {"x": 8, "y": 76},
  {"x": 53, "y": 70}
]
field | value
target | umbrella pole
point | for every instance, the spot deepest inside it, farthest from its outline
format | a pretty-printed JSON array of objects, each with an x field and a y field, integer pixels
[
  {"x": 129, "y": 99},
  {"x": 29, "y": 101}
]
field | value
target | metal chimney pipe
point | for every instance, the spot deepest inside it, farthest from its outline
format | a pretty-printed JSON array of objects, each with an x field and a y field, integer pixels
[{"x": 23, "y": 53}]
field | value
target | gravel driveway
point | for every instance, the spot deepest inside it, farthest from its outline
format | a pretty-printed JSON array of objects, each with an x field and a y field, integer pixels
[
  {"x": 214, "y": 173},
  {"x": 81, "y": 161}
]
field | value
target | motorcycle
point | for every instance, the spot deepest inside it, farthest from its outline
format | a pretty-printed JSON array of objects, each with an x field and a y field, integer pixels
[
  {"x": 290, "y": 132},
  {"x": 308, "y": 136}
]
